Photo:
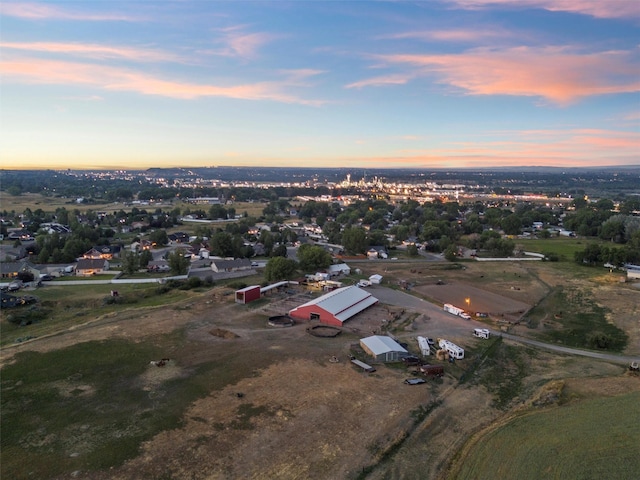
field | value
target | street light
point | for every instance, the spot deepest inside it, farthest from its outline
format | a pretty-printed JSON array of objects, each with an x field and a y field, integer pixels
[{"x": 468, "y": 302}]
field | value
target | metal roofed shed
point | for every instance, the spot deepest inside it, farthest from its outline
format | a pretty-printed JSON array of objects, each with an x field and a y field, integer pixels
[
  {"x": 375, "y": 278},
  {"x": 335, "y": 307},
  {"x": 248, "y": 294},
  {"x": 383, "y": 348}
]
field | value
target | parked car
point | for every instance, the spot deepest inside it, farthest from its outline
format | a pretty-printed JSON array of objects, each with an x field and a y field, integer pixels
[
  {"x": 411, "y": 361},
  {"x": 415, "y": 381}
]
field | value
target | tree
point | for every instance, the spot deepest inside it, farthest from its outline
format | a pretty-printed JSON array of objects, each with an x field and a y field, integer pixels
[
  {"x": 222, "y": 244},
  {"x": 159, "y": 237},
  {"x": 450, "y": 253},
  {"x": 145, "y": 257},
  {"x": 178, "y": 263},
  {"x": 313, "y": 258},
  {"x": 354, "y": 240},
  {"x": 613, "y": 229},
  {"x": 279, "y": 251},
  {"x": 130, "y": 262},
  {"x": 412, "y": 251},
  {"x": 280, "y": 268},
  {"x": 332, "y": 231},
  {"x": 512, "y": 225}
]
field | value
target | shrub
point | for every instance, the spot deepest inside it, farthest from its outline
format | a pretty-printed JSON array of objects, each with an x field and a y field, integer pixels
[
  {"x": 163, "y": 288},
  {"x": 27, "y": 317},
  {"x": 599, "y": 340},
  {"x": 194, "y": 282}
]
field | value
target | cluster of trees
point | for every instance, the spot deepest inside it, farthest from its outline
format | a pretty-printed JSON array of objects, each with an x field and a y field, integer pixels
[
  {"x": 597, "y": 254},
  {"x": 311, "y": 258}
]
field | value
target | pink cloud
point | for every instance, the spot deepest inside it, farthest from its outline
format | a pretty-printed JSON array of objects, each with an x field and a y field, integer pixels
[
  {"x": 454, "y": 35},
  {"x": 594, "y": 8},
  {"x": 537, "y": 147},
  {"x": 382, "y": 81},
  {"x": 92, "y": 50},
  {"x": 238, "y": 43},
  {"x": 554, "y": 73},
  {"x": 38, "y": 11},
  {"x": 118, "y": 79}
]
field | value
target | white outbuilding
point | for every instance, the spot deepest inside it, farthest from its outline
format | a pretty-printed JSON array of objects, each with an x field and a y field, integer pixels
[{"x": 383, "y": 348}]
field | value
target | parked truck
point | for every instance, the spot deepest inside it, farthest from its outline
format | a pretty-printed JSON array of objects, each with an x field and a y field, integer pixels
[
  {"x": 456, "y": 311},
  {"x": 481, "y": 333}
]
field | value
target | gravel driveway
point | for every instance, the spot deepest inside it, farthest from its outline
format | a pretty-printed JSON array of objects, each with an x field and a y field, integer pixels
[{"x": 443, "y": 325}]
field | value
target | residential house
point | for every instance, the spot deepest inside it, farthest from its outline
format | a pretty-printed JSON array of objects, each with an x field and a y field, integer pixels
[
  {"x": 104, "y": 252},
  {"x": 233, "y": 265},
  {"x": 91, "y": 266},
  {"x": 10, "y": 270},
  {"x": 376, "y": 252}
]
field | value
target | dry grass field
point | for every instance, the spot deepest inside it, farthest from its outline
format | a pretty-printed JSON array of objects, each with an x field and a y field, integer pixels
[{"x": 240, "y": 399}]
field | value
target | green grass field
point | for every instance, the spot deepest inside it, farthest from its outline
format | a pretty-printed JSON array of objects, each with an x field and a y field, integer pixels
[
  {"x": 61, "y": 307},
  {"x": 569, "y": 316},
  {"x": 83, "y": 407},
  {"x": 594, "y": 439},
  {"x": 563, "y": 247}
]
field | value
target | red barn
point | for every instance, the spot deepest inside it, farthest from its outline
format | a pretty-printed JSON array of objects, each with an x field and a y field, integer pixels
[
  {"x": 248, "y": 294},
  {"x": 335, "y": 307}
]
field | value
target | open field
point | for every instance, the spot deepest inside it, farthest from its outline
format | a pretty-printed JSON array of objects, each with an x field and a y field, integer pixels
[
  {"x": 475, "y": 299},
  {"x": 84, "y": 399},
  {"x": 563, "y": 247},
  {"x": 558, "y": 442},
  {"x": 35, "y": 201}
]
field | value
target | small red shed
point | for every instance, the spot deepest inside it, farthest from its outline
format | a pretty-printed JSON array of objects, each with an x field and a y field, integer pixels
[{"x": 248, "y": 294}]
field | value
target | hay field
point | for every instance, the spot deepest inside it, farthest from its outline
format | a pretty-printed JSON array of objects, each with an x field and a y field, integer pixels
[{"x": 595, "y": 438}]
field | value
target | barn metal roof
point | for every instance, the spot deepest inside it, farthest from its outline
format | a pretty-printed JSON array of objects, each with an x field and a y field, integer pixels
[
  {"x": 380, "y": 344},
  {"x": 343, "y": 303}
]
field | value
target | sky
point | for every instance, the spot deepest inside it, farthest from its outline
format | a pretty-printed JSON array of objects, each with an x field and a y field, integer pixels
[{"x": 397, "y": 84}]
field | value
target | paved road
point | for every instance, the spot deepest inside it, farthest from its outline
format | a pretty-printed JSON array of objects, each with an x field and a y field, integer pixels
[{"x": 441, "y": 324}]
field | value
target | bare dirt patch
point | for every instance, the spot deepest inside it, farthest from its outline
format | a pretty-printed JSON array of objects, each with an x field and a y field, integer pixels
[
  {"x": 479, "y": 300},
  {"x": 296, "y": 420},
  {"x": 222, "y": 333}
]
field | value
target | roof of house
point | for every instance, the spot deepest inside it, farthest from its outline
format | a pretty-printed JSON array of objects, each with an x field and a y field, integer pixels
[
  {"x": 235, "y": 263},
  {"x": 343, "y": 303},
  {"x": 338, "y": 267},
  {"x": 15, "y": 267},
  {"x": 103, "y": 250},
  {"x": 380, "y": 344},
  {"x": 91, "y": 263}
]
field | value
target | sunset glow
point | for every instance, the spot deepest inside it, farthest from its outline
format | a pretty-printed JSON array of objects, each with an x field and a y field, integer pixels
[{"x": 438, "y": 84}]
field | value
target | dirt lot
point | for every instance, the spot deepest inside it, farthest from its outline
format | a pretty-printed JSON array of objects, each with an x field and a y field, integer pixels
[
  {"x": 479, "y": 300},
  {"x": 300, "y": 416}
]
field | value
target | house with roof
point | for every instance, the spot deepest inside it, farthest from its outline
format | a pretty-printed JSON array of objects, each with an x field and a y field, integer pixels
[
  {"x": 178, "y": 237},
  {"x": 91, "y": 266},
  {"x": 104, "y": 252},
  {"x": 232, "y": 265},
  {"x": 10, "y": 270},
  {"x": 383, "y": 348},
  {"x": 377, "y": 251},
  {"x": 335, "y": 307},
  {"x": 338, "y": 269}
]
